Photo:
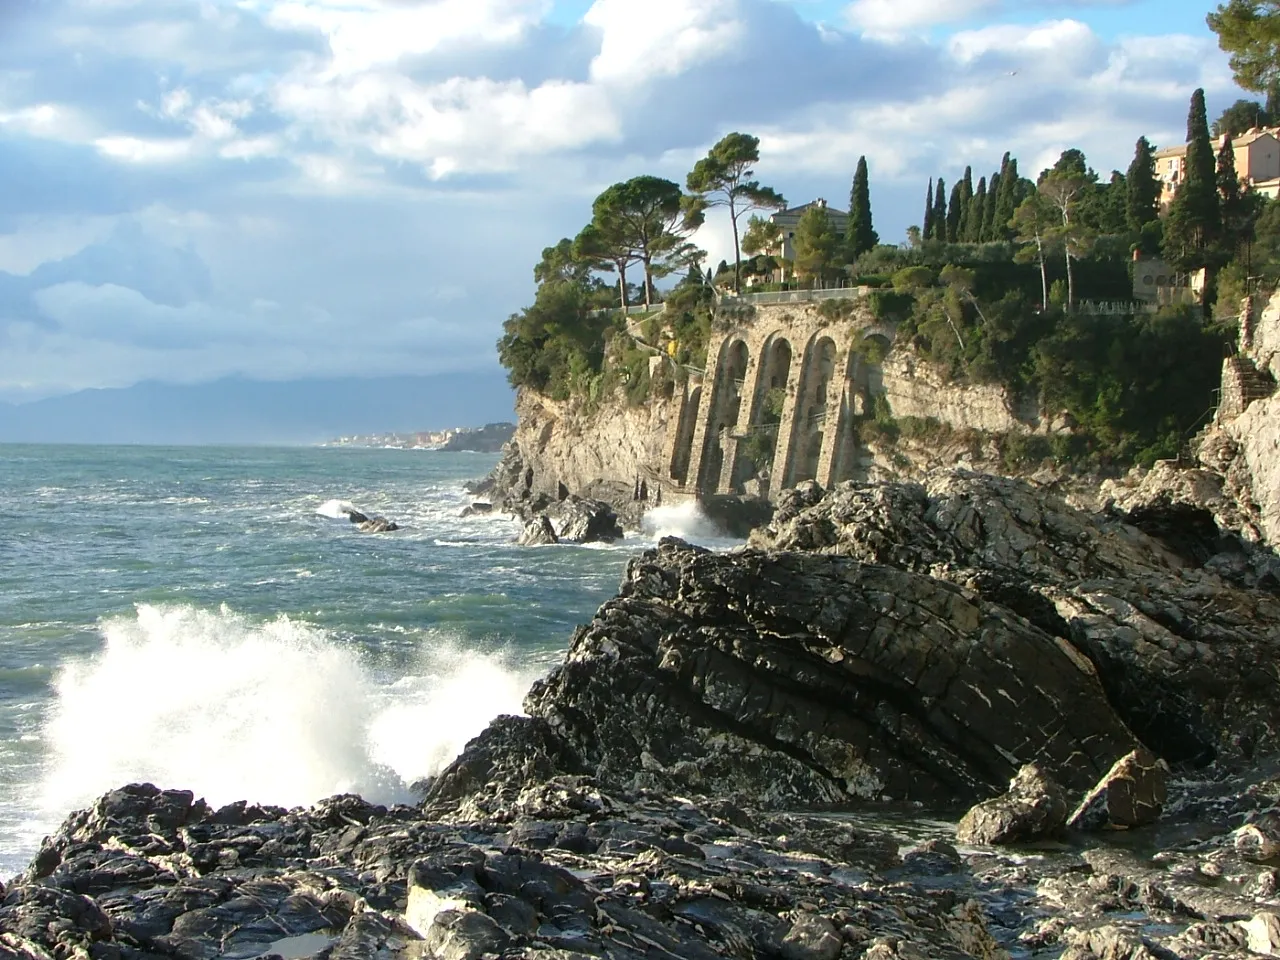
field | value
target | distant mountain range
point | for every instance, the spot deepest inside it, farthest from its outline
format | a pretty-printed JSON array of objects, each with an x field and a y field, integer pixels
[{"x": 234, "y": 410}]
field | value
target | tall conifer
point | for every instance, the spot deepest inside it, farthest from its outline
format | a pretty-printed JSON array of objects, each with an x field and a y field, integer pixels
[
  {"x": 977, "y": 212},
  {"x": 1142, "y": 202},
  {"x": 940, "y": 210},
  {"x": 989, "y": 218},
  {"x": 1237, "y": 208},
  {"x": 860, "y": 235},
  {"x": 926, "y": 229},
  {"x": 1194, "y": 223},
  {"x": 1007, "y": 200},
  {"x": 955, "y": 208}
]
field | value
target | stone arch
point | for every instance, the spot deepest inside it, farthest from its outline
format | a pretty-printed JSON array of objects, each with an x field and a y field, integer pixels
[
  {"x": 817, "y": 379},
  {"x": 689, "y": 413},
  {"x": 774, "y": 373},
  {"x": 722, "y": 412}
]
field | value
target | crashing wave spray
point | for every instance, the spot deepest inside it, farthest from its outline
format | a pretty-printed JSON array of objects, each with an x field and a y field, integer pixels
[
  {"x": 269, "y": 712},
  {"x": 683, "y": 520},
  {"x": 335, "y": 509}
]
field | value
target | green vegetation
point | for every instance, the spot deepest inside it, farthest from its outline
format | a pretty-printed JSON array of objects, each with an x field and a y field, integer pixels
[
  {"x": 1249, "y": 30},
  {"x": 725, "y": 178},
  {"x": 1022, "y": 282}
]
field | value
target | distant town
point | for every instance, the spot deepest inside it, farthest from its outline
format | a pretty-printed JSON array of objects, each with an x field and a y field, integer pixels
[{"x": 486, "y": 439}]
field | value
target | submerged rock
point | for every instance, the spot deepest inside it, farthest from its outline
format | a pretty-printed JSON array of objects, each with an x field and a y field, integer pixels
[
  {"x": 378, "y": 525},
  {"x": 1033, "y": 808}
]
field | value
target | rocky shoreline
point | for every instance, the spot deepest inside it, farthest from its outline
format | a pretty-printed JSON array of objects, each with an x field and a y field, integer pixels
[{"x": 766, "y": 753}]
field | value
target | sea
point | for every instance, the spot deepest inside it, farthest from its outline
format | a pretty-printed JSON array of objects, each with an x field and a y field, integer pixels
[{"x": 209, "y": 619}]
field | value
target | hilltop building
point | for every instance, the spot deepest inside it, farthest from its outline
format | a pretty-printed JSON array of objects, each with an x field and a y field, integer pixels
[
  {"x": 781, "y": 258},
  {"x": 1257, "y": 163}
]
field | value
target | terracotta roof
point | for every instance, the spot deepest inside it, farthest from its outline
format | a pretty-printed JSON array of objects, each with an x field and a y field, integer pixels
[{"x": 1243, "y": 140}]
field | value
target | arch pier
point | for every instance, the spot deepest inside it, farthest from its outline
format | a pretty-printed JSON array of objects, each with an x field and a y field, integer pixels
[{"x": 779, "y": 404}]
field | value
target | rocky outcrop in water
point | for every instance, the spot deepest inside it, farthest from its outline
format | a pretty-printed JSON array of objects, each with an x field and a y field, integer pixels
[
  {"x": 915, "y": 642},
  {"x": 538, "y": 532}
]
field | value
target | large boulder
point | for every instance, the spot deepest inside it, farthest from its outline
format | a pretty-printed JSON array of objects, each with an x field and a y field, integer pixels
[
  {"x": 1131, "y": 794},
  {"x": 538, "y": 532},
  {"x": 1033, "y": 808},
  {"x": 798, "y": 678},
  {"x": 586, "y": 521}
]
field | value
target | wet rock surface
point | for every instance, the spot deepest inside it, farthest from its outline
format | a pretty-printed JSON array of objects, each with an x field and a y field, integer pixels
[
  {"x": 705, "y": 773},
  {"x": 1033, "y": 808},
  {"x": 537, "y": 532}
]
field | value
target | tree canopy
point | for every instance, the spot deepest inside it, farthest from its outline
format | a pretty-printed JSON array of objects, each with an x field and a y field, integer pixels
[
  {"x": 1249, "y": 31},
  {"x": 726, "y": 177}
]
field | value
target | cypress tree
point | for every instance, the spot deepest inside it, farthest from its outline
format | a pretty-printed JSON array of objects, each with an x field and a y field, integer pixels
[
  {"x": 1194, "y": 223},
  {"x": 977, "y": 212},
  {"x": 860, "y": 235},
  {"x": 1273, "y": 105},
  {"x": 966, "y": 204},
  {"x": 940, "y": 211},
  {"x": 1142, "y": 201},
  {"x": 989, "y": 217},
  {"x": 1237, "y": 224},
  {"x": 955, "y": 208},
  {"x": 1008, "y": 199},
  {"x": 926, "y": 230}
]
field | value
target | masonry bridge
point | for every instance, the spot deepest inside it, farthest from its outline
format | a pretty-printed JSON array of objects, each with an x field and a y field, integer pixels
[{"x": 779, "y": 403}]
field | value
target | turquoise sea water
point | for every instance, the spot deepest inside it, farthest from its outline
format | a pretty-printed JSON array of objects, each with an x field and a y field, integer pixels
[{"x": 186, "y": 616}]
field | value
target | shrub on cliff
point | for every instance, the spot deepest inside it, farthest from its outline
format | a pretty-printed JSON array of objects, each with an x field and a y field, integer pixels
[{"x": 557, "y": 341}]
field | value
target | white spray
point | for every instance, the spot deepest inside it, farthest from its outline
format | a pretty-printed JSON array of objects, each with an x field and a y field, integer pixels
[{"x": 274, "y": 713}]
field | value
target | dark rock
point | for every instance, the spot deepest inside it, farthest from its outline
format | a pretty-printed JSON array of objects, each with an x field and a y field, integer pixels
[
  {"x": 586, "y": 521},
  {"x": 1259, "y": 840},
  {"x": 477, "y": 509},
  {"x": 812, "y": 937},
  {"x": 1178, "y": 668},
  {"x": 378, "y": 525},
  {"x": 932, "y": 858},
  {"x": 1131, "y": 794},
  {"x": 1033, "y": 808},
  {"x": 798, "y": 678},
  {"x": 537, "y": 532},
  {"x": 355, "y": 516}
]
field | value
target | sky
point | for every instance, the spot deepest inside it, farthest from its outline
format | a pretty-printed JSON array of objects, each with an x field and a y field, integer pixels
[{"x": 294, "y": 189}]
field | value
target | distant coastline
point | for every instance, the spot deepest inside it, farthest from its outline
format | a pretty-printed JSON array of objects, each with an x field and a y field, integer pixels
[{"x": 487, "y": 439}]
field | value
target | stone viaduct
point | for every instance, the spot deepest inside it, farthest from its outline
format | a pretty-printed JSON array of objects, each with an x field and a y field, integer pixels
[{"x": 785, "y": 385}]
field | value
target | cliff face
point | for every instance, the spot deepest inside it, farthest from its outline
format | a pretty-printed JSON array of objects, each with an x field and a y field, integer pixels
[
  {"x": 1242, "y": 444},
  {"x": 915, "y": 388},
  {"x": 783, "y": 399}
]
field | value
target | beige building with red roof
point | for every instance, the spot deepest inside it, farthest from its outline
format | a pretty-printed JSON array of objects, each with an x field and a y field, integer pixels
[{"x": 1257, "y": 163}]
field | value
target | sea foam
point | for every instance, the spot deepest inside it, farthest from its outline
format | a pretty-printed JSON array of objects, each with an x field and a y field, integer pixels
[
  {"x": 335, "y": 509},
  {"x": 683, "y": 520},
  {"x": 275, "y": 712}
]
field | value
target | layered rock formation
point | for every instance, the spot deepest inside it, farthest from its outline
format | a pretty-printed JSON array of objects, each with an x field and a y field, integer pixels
[
  {"x": 915, "y": 642},
  {"x": 907, "y": 641}
]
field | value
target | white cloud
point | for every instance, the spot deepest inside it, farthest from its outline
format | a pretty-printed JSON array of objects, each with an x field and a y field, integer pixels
[
  {"x": 880, "y": 17},
  {"x": 363, "y": 34},
  {"x": 461, "y": 124},
  {"x": 141, "y": 150},
  {"x": 639, "y": 41}
]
